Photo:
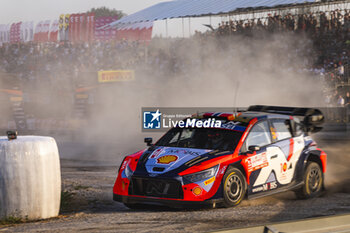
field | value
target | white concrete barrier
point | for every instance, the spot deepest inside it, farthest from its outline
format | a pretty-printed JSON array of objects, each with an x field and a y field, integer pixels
[
  {"x": 30, "y": 178},
  {"x": 338, "y": 223}
]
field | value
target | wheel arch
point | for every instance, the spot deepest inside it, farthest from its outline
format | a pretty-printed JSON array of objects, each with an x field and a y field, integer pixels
[
  {"x": 316, "y": 156},
  {"x": 239, "y": 166},
  {"x": 313, "y": 157}
]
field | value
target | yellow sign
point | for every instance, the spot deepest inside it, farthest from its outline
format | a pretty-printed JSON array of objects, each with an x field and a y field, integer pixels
[
  {"x": 16, "y": 99},
  {"x": 106, "y": 76},
  {"x": 61, "y": 22},
  {"x": 82, "y": 96},
  {"x": 66, "y": 21}
]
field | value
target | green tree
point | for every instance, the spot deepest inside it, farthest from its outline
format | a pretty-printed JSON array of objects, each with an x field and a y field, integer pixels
[{"x": 104, "y": 11}]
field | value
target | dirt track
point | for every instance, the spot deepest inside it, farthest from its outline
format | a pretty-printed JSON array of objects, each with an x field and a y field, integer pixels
[{"x": 90, "y": 206}]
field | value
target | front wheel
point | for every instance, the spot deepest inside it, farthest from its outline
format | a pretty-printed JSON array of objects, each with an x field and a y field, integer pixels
[
  {"x": 234, "y": 187},
  {"x": 313, "y": 181}
]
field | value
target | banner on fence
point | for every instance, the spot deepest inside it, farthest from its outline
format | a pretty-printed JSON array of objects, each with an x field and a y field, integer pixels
[
  {"x": 106, "y": 76},
  {"x": 53, "y": 36},
  {"x": 135, "y": 32},
  {"x": 105, "y": 34}
]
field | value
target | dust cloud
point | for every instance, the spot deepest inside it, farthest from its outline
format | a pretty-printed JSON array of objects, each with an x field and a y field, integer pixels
[
  {"x": 201, "y": 72},
  {"x": 5, "y": 105},
  {"x": 337, "y": 177},
  {"x": 196, "y": 72}
]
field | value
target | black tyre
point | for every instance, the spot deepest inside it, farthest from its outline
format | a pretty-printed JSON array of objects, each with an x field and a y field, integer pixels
[
  {"x": 234, "y": 187},
  {"x": 313, "y": 181}
]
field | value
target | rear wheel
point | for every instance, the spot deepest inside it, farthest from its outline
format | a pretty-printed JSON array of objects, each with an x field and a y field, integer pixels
[
  {"x": 313, "y": 181},
  {"x": 234, "y": 187}
]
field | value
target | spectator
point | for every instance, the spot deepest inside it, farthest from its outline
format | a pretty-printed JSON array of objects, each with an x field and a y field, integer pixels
[
  {"x": 340, "y": 102},
  {"x": 347, "y": 99}
]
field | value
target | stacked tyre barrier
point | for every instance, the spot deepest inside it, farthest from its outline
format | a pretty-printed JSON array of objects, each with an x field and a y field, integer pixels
[{"x": 30, "y": 178}]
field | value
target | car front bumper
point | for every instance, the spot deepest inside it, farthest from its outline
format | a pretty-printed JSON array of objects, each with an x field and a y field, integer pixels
[{"x": 173, "y": 203}]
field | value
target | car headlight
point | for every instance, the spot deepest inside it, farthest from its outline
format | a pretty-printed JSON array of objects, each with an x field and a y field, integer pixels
[
  {"x": 128, "y": 171},
  {"x": 202, "y": 175}
]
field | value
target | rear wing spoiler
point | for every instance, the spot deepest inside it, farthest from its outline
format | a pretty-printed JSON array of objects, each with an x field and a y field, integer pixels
[{"x": 312, "y": 117}]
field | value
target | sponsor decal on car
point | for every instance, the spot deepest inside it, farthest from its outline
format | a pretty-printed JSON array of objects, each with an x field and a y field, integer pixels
[
  {"x": 257, "y": 162},
  {"x": 166, "y": 159},
  {"x": 223, "y": 169},
  {"x": 172, "y": 157},
  {"x": 197, "y": 191},
  {"x": 283, "y": 167},
  {"x": 186, "y": 151},
  {"x": 209, "y": 181},
  {"x": 156, "y": 153},
  {"x": 265, "y": 187},
  {"x": 233, "y": 126},
  {"x": 124, "y": 164},
  {"x": 283, "y": 175}
]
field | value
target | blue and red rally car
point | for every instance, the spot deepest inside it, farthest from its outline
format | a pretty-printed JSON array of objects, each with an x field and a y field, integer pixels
[{"x": 259, "y": 152}]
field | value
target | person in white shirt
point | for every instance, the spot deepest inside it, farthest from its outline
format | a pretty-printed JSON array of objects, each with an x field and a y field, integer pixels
[{"x": 340, "y": 101}]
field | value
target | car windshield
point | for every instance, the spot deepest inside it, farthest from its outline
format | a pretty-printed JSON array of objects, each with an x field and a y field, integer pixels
[{"x": 201, "y": 138}]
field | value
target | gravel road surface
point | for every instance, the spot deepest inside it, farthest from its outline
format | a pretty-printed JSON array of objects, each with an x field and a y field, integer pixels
[{"x": 88, "y": 206}]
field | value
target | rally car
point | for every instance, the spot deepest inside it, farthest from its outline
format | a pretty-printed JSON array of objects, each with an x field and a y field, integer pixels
[{"x": 258, "y": 152}]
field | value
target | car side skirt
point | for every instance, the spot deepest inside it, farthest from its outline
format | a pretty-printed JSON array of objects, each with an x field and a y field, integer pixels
[{"x": 289, "y": 187}]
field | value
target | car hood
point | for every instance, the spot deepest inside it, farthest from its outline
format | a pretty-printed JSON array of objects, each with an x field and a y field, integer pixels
[{"x": 165, "y": 159}]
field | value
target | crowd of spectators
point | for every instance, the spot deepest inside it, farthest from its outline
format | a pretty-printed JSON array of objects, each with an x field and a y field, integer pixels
[
  {"x": 329, "y": 32},
  {"x": 314, "y": 23},
  {"x": 338, "y": 99},
  {"x": 323, "y": 50},
  {"x": 65, "y": 62}
]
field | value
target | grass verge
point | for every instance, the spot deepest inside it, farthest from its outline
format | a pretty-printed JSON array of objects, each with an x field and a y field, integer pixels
[
  {"x": 11, "y": 220},
  {"x": 66, "y": 200}
]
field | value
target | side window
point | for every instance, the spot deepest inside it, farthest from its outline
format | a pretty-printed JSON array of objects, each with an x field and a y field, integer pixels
[
  {"x": 258, "y": 136},
  {"x": 282, "y": 129}
]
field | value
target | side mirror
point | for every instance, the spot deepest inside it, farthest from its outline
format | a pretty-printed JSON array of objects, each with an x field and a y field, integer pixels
[
  {"x": 254, "y": 148},
  {"x": 148, "y": 141}
]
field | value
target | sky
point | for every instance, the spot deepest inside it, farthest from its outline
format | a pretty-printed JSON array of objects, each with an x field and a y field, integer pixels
[
  {"x": 36, "y": 10},
  {"x": 12, "y": 11}
]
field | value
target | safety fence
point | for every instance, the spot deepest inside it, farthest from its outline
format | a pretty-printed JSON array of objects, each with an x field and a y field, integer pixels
[
  {"x": 336, "y": 114},
  {"x": 338, "y": 77}
]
